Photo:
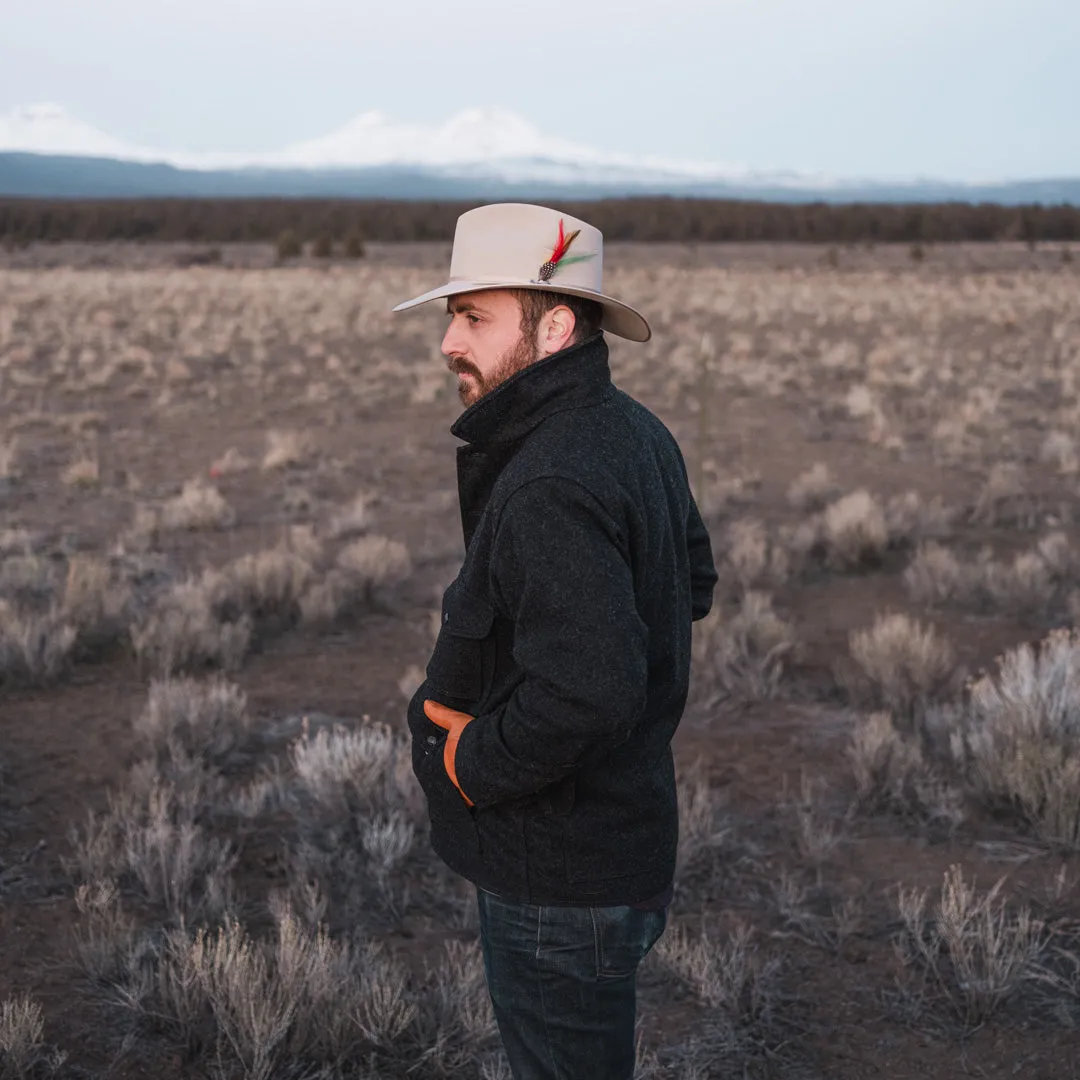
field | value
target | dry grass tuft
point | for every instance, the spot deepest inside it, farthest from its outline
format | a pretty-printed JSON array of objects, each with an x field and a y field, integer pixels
[
  {"x": 15, "y": 542},
  {"x": 813, "y": 490},
  {"x": 149, "y": 840},
  {"x": 1005, "y": 498},
  {"x": 807, "y": 917},
  {"x": 182, "y": 632},
  {"x": 83, "y": 472},
  {"x": 343, "y": 770},
  {"x": 816, "y": 834},
  {"x": 702, "y": 827},
  {"x": 1057, "y": 552},
  {"x": 351, "y": 520},
  {"x": 1021, "y": 743},
  {"x": 731, "y": 976},
  {"x": 754, "y": 561},
  {"x": 34, "y": 648},
  {"x": 204, "y": 719},
  {"x": 900, "y": 666},
  {"x": 1059, "y": 449},
  {"x": 215, "y": 618},
  {"x": 1033, "y": 585},
  {"x": 1059, "y": 971},
  {"x": 375, "y": 561},
  {"x": 96, "y": 604},
  {"x": 28, "y": 579},
  {"x": 726, "y": 490},
  {"x": 975, "y": 951},
  {"x": 106, "y": 936},
  {"x": 326, "y": 601},
  {"x": 909, "y": 520},
  {"x": 894, "y": 774},
  {"x": 366, "y": 571},
  {"x": 21, "y": 1029},
  {"x": 22, "y": 1050},
  {"x": 199, "y": 506},
  {"x": 1023, "y": 587},
  {"x": 144, "y": 532},
  {"x": 743, "y": 655},
  {"x": 855, "y": 531},
  {"x": 305, "y": 1003},
  {"x": 264, "y": 586},
  {"x": 285, "y": 449},
  {"x": 935, "y": 576},
  {"x": 357, "y": 806},
  {"x": 301, "y": 541}
]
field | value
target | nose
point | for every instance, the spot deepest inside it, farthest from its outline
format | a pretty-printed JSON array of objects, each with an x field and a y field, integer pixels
[{"x": 450, "y": 342}]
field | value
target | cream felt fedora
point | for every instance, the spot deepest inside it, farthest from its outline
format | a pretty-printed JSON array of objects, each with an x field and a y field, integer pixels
[{"x": 520, "y": 246}]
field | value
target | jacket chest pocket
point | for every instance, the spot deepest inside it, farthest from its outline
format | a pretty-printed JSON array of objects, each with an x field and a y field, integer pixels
[{"x": 463, "y": 660}]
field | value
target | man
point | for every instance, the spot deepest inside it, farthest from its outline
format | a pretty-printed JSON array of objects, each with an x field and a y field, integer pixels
[{"x": 541, "y": 735}]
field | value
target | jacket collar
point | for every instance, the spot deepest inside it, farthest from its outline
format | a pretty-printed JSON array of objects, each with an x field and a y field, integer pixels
[{"x": 570, "y": 379}]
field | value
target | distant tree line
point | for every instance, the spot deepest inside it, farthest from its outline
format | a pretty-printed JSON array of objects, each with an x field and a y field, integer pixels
[{"x": 24, "y": 221}]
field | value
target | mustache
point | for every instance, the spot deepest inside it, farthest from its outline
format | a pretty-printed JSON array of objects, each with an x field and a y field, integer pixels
[{"x": 459, "y": 367}]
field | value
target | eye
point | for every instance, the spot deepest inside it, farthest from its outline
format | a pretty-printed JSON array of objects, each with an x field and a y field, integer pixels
[{"x": 474, "y": 319}]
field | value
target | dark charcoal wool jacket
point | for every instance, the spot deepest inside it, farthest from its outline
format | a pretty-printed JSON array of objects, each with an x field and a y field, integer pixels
[{"x": 567, "y": 635}]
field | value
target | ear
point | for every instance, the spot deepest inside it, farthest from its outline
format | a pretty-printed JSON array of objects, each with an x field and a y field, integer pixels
[{"x": 556, "y": 330}]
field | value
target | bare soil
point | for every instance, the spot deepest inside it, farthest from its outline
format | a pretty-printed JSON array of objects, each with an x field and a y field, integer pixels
[{"x": 64, "y": 745}]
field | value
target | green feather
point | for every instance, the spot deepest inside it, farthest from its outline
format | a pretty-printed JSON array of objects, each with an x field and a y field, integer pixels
[{"x": 566, "y": 260}]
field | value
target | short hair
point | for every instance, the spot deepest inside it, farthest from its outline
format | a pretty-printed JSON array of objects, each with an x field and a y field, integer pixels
[{"x": 536, "y": 303}]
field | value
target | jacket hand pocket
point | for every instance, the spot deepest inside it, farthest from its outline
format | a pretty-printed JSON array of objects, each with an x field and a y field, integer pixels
[
  {"x": 452, "y": 821},
  {"x": 462, "y": 663}
]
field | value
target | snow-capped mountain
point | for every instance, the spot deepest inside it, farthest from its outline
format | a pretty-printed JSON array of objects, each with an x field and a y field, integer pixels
[
  {"x": 488, "y": 153},
  {"x": 495, "y": 141},
  {"x": 50, "y": 129}
]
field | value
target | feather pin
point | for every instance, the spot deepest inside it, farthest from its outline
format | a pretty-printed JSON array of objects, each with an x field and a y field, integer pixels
[{"x": 562, "y": 246}]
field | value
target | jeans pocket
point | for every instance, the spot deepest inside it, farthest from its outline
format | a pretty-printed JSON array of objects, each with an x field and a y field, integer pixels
[{"x": 623, "y": 937}]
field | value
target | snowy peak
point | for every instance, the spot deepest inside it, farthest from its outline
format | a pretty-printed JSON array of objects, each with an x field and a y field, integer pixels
[
  {"x": 47, "y": 128},
  {"x": 479, "y": 149},
  {"x": 474, "y": 140},
  {"x": 472, "y": 137}
]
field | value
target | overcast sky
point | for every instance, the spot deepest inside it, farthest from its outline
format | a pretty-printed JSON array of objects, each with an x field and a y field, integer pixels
[{"x": 956, "y": 89}]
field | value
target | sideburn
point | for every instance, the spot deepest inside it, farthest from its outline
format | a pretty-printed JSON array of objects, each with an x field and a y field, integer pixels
[{"x": 522, "y": 355}]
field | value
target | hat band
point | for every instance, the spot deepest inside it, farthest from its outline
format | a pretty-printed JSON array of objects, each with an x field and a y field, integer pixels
[{"x": 472, "y": 279}]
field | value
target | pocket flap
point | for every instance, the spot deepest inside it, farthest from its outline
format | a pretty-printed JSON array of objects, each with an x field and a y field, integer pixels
[{"x": 467, "y": 615}]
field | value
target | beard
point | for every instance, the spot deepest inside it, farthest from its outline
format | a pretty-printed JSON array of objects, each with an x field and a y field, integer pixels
[{"x": 519, "y": 356}]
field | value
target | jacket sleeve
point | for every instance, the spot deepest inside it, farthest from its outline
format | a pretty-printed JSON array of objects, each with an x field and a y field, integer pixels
[
  {"x": 703, "y": 576},
  {"x": 560, "y": 566}
]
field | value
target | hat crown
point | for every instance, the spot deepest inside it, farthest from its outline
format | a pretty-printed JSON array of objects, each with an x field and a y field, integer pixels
[
  {"x": 519, "y": 242},
  {"x": 522, "y": 246}
]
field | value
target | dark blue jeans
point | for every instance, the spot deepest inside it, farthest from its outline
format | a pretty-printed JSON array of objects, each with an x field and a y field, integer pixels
[{"x": 563, "y": 984}]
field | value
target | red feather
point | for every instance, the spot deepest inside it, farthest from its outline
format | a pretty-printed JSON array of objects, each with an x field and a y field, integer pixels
[
  {"x": 560, "y": 246},
  {"x": 563, "y": 246}
]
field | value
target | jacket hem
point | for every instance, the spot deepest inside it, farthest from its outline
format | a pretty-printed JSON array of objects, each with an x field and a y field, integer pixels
[{"x": 614, "y": 892}]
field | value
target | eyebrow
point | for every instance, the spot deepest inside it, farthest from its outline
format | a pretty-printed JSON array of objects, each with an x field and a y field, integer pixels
[{"x": 454, "y": 307}]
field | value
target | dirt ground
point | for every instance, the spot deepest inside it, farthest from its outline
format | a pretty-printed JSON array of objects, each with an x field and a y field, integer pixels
[{"x": 787, "y": 332}]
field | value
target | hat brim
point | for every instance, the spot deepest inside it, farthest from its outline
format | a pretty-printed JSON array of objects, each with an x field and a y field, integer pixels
[{"x": 618, "y": 318}]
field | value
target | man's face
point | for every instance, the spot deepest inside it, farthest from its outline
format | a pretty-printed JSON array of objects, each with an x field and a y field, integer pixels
[{"x": 484, "y": 344}]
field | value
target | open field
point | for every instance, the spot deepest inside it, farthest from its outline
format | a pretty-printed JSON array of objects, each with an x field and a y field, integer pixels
[{"x": 227, "y": 514}]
